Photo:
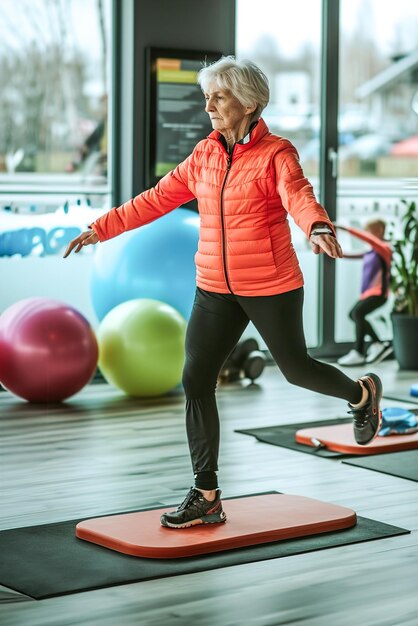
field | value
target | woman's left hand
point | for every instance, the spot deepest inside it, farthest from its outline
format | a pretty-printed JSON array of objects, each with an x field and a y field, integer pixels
[{"x": 327, "y": 244}]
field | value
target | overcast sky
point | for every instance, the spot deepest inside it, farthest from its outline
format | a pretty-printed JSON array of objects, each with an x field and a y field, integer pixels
[
  {"x": 29, "y": 20},
  {"x": 293, "y": 23}
]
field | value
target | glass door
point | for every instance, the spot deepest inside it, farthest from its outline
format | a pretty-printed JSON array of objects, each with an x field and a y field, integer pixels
[
  {"x": 284, "y": 40},
  {"x": 378, "y": 136}
]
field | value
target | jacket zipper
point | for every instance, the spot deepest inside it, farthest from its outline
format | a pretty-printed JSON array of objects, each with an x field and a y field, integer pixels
[{"x": 228, "y": 167}]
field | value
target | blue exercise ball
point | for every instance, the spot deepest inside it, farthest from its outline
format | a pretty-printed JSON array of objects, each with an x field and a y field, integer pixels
[{"x": 155, "y": 261}]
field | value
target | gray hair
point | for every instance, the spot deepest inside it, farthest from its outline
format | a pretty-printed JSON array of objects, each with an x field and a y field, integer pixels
[{"x": 242, "y": 78}]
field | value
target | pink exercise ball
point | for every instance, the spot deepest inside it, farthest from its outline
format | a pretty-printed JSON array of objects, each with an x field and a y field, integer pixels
[{"x": 48, "y": 350}]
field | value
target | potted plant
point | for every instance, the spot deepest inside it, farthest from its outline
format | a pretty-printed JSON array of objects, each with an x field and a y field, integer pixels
[{"x": 404, "y": 282}]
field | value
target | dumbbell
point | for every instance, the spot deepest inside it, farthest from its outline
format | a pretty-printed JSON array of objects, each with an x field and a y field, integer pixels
[
  {"x": 241, "y": 352},
  {"x": 254, "y": 365},
  {"x": 245, "y": 361}
]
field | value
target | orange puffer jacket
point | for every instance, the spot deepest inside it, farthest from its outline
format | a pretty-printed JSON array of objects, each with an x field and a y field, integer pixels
[{"x": 244, "y": 245}]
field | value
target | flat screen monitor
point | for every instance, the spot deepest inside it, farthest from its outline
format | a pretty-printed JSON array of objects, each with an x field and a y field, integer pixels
[{"x": 176, "y": 117}]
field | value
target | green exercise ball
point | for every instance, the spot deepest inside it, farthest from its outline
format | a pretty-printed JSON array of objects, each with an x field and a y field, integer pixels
[{"x": 141, "y": 347}]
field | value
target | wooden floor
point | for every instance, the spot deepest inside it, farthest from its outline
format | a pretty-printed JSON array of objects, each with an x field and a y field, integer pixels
[{"x": 103, "y": 453}]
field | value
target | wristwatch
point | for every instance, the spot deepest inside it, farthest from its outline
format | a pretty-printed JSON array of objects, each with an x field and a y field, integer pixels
[{"x": 321, "y": 230}]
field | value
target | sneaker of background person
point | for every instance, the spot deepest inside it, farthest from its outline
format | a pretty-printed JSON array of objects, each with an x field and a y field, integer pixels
[
  {"x": 367, "y": 419},
  {"x": 195, "y": 509},
  {"x": 352, "y": 358},
  {"x": 378, "y": 351}
]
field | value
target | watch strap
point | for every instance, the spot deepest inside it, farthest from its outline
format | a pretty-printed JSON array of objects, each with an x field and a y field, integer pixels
[{"x": 322, "y": 230}]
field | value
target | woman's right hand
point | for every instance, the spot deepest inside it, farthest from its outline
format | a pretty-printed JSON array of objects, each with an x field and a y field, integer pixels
[{"x": 85, "y": 239}]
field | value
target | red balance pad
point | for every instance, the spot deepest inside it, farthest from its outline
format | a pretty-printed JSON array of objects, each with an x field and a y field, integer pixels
[
  {"x": 341, "y": 439},
  {"x": 250, "y": 520}
]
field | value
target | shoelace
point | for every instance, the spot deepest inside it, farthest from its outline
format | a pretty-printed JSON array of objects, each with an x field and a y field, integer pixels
[
  {"x": 192, "y": 495},
  {"x": 359, "y": 415}
]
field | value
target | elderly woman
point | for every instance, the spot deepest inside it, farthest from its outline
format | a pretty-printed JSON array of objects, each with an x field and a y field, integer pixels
[{"x": 246, "y": 181}]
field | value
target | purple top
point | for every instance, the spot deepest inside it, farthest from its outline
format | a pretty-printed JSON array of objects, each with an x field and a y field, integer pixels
[{"x": 376, "y": 274}]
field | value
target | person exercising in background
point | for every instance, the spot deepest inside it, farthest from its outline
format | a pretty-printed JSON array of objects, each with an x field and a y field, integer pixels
[{"x": 374, "y": 293}]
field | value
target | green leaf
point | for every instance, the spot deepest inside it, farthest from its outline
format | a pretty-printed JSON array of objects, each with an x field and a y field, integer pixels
[{"x": 404, "y": 272}]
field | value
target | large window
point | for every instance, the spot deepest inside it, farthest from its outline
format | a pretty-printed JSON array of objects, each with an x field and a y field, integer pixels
[
  {"x": 55, "y": 97},
  {"x": 284, "y": 40},
  {"x": 378, "y": 133},
  {"x": 54, "y": 90},
  {"x": 378, "y": 117}
]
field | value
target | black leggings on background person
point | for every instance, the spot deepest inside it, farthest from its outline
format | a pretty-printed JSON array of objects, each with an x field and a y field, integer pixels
[
  {"x": 363, "y": 327},
  {"x": 216, "y": 325}
]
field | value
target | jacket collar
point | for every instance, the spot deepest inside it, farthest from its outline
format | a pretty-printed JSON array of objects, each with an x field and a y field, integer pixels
[{"x": 259, "y": 131}]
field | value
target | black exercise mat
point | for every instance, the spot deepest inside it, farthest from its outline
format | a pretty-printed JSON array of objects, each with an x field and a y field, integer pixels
[
  {"x": 48, "y": 560},
  {"x": 401, "y": 396},
  {"x": 284, "y": 436},
  {"x": 401, "y": 464}
]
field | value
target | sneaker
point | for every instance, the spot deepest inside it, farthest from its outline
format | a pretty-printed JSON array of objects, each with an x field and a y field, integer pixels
[
  {"x": 352, "y": 358},
  {"x": 195, "y": 509},
  {"x": 368, "y": 418},
  {"x": 378, "y": 351}
]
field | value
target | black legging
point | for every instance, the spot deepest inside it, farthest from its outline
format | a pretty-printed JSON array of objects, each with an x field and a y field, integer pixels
[
  {"x": 216, "y": 324},
  {"x": 363, "y": 327}
]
